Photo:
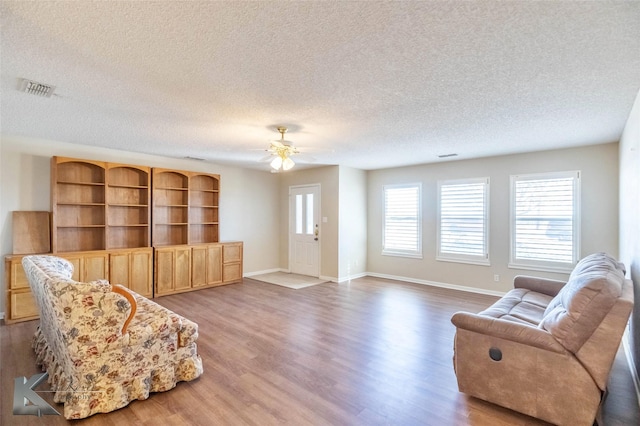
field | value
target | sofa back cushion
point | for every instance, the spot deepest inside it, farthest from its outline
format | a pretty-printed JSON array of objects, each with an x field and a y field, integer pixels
[{"x": 578, "y": 309}]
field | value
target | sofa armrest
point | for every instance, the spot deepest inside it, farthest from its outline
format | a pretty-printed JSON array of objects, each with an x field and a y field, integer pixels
[
  {"x": 508, "y": 330},
  {"x": 539, "y": 285}
]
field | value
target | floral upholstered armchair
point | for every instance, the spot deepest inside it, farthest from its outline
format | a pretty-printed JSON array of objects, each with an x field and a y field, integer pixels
[{"x": 103, "y": 345}]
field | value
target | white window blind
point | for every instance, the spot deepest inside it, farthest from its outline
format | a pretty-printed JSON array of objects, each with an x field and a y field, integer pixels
[
  {"x": 463, "y": 220},
  {"x": 545, "y": 220},
  {"x": 402, "y": 220}
]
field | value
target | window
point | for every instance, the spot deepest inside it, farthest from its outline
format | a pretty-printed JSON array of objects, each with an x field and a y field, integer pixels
[
  {"x": 306, "y": 210},
  {"x": 402, "y": 220},
  {"x": 545, "y": 221},
  {"x": 463, "y": 221}
]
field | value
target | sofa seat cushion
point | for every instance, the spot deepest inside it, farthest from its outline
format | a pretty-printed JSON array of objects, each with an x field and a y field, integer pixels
[{"x": 520, "y": 305}]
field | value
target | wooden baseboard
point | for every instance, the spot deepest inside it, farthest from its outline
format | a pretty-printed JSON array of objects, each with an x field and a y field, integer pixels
[{"x": 438, "y": 284}]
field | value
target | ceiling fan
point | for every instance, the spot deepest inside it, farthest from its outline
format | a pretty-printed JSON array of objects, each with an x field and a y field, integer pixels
[{"x": 282, "y": 150}]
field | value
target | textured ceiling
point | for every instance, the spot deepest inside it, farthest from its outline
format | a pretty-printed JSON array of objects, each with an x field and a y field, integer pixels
[{"x": 363, "y": 84}]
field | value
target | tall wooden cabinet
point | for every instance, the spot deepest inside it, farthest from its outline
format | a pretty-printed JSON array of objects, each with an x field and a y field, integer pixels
[
  {"x": 78, "y": 205},
  {"x": 99, "y": 206},
  {"x": 185, "y": 207},
  {"x": 128, "y": 212},
  {"x": 188, "y": 254},
  {"x": 101, "y": 217},
  {"x": 153, "y": 230}
]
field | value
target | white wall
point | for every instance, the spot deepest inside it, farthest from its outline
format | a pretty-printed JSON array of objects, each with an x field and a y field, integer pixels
[
  {"x": 352, "y": 229},
  {"x": 599, "y": 166},
  {"x": 630, "y": 216},
  {"x": 249, "y": 209}
]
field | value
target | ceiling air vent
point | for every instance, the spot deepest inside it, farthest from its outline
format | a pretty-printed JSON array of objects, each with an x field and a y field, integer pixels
[
  {"x": 447, "y": 155},
  {"x": 35, "y": 88}
]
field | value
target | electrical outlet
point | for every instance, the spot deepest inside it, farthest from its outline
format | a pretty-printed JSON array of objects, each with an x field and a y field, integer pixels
[{"x": 496, "y": 277}]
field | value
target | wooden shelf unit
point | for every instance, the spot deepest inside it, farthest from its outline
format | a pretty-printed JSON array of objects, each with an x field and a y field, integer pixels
[
  {"x": 78, "y": 205},
  {"x": 185, "y": 207},
  {"x": 188, "y": 254},
  {"x": 203, "y": 208},
  {"x": 153, "y": 230},
  {"x": 98, "y": 205},
  {"x": 128, "y": 206}
]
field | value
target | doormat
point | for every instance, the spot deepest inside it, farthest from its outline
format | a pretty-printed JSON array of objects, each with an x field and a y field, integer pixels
[{"x": 285, "y": 279}]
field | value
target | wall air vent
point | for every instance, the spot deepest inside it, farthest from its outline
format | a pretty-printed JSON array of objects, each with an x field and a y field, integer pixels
[{"x": 35, "y": 88}]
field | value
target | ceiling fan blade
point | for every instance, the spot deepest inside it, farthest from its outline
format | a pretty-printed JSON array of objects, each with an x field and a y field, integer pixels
[{"x": 305, "y": 158}]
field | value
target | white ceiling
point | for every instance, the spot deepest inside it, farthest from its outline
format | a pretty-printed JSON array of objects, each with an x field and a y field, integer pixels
[{"x": 363, "y": 84}]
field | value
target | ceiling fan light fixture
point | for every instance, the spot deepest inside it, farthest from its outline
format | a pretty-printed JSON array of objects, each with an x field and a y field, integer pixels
[
  {"x": 282, "y": 150},
  {"x": 288, "y": 163},
  {"x": 276, "y": 163}
]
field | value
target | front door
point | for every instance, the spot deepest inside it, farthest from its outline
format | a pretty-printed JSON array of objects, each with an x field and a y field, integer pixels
[{"x": 304, "y": 230}]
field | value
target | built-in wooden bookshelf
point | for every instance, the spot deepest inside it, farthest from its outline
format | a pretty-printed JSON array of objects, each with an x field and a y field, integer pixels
[
  {"x": 99, "y": 206},
  {"x": 128, "y": 206},
  {"x": 106, "y": 217},
  {"x": 170, "y": 207},
  {"x": 185, "y": 207},
  {"x": 203, "y": 208},
  {"x": 188, "y": 254},
  {"x": 78, "y": 205}
]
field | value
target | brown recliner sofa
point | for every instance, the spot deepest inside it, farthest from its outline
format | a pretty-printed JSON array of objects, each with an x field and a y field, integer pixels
[{"x": 546, "y": 347}]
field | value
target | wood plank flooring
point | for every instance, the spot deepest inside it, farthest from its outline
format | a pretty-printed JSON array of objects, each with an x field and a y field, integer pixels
[{"x": 368, "y": 352}]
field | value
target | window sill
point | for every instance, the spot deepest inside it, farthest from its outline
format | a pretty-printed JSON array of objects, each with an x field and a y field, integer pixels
[
  {"x": 401, "y": 254},
  {"x": 479, "y": 262},
  {"x": 542, "y": 268}
]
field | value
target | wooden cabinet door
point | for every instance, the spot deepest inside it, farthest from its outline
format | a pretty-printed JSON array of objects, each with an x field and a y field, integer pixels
[
  {"x": 16, "y": 278},
  {"x": 231, "y": 272},
  {"x": 164, "y": 271},
  {"x": 232, "y": 252},
  {"x": 231, "y": 262},
  {"x": 89, "y": 266},
  {"x": 199, "y": 266},
  {"x": 22, "y": 306},
  {"x": 206, "y": 265},
  {"x": 119, "y": 268},
  {"x": 214, "y": 264},
  {"x": 76, "y": 261},
  {"x": 173, "y": 269},
  {"x": 132, "y": 269},
  {"x": 182, "y": 277},
  {"x": 95, "y": 267},
  {"x": 141, "y": 272}
]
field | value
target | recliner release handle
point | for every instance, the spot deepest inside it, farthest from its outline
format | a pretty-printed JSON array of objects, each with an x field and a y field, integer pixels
[{"x": 495, "y": 354}]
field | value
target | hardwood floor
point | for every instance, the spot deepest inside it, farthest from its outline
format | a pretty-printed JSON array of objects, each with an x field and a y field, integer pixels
[{"x": 368, "y": 352}]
